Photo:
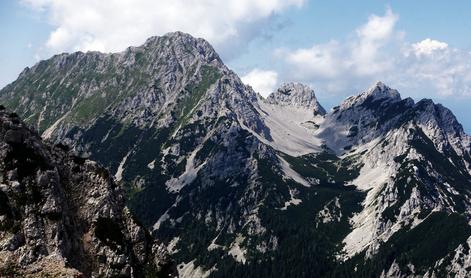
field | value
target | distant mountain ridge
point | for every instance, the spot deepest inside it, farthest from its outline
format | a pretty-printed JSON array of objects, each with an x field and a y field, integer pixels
[{"x": 235, "y": 184}]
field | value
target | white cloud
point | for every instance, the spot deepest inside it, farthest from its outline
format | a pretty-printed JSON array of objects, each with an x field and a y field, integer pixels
[
  {"x": 444, "y": 72},
  {"x": 378, "y": 28},
  {"x": 113, "y": 25},
  {"x": 361, "y": 56},
  {"x": 428, "y": 46},
  {"x": 377, "y": 51},
  {"x": 262, "y": 81},
  {"x": 319, "y": 60},
  {"x": 371, "y": 38}
]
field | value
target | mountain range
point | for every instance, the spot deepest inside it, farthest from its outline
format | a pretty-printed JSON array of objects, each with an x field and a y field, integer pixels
[{"x": 232, "y": 184}]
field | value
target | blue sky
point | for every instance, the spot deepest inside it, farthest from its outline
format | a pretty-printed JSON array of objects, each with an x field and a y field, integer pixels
[{"x": 422, "y": 48}]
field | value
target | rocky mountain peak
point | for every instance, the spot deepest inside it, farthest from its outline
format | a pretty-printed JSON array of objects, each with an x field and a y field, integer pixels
[
  {"x": 441, "y": 124},
  {"x": 296, "y": 94},
  {"x": 182, "y": 44},
  {"x": 379, "y": 92}
]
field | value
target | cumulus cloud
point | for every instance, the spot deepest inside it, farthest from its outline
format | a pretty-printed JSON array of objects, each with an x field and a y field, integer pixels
[
  {"x": 378, "y": 51},
  {"x": 262, "y": 81},
  {"x": 115, "y": 24},
  {"x": 428, "y": 46},
  {"x": 360, "y": 56},
  {"x": 438, "y": 70},
  {"x": 371, "y": 38},
  {"x": 378, "y": 28},
  {"x": 321, "y": 60}
]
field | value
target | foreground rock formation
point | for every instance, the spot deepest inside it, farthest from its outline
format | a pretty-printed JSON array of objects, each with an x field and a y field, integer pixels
[{"x": 63, "y": 216}]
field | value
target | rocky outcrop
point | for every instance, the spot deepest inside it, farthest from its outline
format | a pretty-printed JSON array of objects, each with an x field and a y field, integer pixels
[
  {"x": 63, "y": 216},
  {"x": 298, "y": 95}
]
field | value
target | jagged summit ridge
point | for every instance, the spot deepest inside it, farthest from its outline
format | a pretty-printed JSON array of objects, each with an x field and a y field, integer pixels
[
  {"x": 378, "y": 92},
  {"x": 297, "y": 95},
  {"x": 183, "y": 43},
  {"x": 149, "y": 80}
]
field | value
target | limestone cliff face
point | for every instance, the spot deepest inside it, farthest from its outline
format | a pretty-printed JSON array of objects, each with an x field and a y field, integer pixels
[
  {"x": 297, "y": 95},
  {"x": 62, "y": 215}
]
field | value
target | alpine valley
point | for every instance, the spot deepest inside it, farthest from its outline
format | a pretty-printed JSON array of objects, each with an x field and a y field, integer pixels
[{"x": 232, "y": 184}]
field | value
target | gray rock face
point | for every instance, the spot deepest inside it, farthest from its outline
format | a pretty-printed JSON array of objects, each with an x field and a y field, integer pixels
[
  {"x": 298, "y": 95},
  {"x": 364, "y": 117},
  {"x": 62, "y": 215}
]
